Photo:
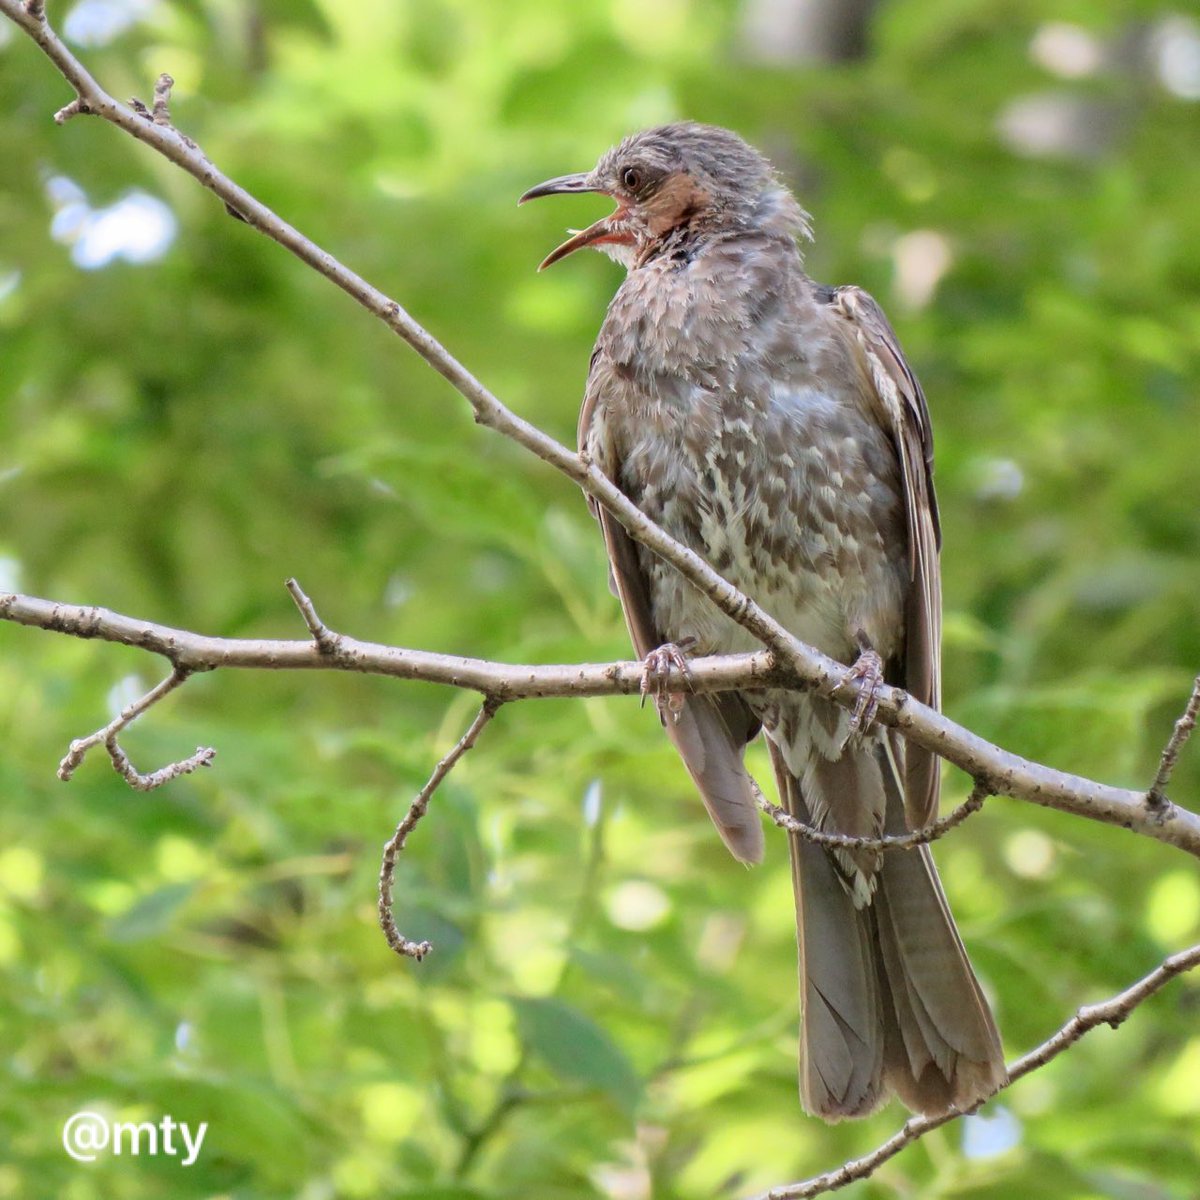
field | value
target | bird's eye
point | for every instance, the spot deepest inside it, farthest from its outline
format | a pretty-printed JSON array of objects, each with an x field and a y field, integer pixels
[{"x": 631, "y": 177}]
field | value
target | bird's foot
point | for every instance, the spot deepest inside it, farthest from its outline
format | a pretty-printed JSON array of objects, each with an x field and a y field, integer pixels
[
  {"x": 867, "y": 672},
  {"x": 656, "y": 674}
]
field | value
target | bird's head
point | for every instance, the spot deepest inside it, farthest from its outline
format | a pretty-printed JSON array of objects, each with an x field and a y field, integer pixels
[{"x": 685, "y": 177}]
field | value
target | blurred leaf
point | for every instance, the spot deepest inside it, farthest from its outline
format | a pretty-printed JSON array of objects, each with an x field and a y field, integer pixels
[
  {"x": 151, "y": 915},
  {"x": 576, "y": 1049}
]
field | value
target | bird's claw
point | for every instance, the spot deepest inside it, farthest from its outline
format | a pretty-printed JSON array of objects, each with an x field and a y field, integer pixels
[
  {"x": 867, "y": 673},
  {"x": 656, "y": 674}
]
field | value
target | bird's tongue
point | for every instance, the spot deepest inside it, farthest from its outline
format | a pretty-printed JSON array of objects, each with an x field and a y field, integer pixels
[{"x": 605, "y": 230}]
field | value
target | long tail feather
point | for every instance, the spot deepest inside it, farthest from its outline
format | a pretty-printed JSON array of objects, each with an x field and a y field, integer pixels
[{"x": 889, "y": 1001}]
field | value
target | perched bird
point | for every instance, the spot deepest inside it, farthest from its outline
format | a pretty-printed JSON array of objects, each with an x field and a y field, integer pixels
[{"x": 772, "y": 425}]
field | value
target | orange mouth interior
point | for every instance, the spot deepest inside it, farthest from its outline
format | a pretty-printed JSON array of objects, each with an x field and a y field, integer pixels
[{"x": 608, "y": 229}]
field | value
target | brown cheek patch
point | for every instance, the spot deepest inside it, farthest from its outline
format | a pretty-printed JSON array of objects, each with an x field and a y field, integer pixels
[{"x": 679, "y": 198}]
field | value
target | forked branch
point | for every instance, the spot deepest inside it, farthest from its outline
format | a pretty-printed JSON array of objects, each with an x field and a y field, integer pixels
[{"x": 107, "y": 737}]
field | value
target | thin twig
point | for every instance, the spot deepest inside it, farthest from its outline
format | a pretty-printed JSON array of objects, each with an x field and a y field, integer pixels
[
  {"x": 1109, "y": 1012},
  {"x": 161, "y": 113},
  {"x": 1157, "y": 796},
  {"x": 108, "y": 735},
  {"x": 896, "y": 841},
  {"x": 327, "y": 641},
  {"x": 147, "y": 783},
  {"x": 73, "y": 109},
  {"x": 416, "y": 810}
]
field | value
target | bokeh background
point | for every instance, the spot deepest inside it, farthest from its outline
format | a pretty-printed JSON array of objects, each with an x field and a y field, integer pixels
[{"x": 188, "y": 416}]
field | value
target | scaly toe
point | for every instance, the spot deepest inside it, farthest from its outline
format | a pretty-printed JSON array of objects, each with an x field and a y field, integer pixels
[
  {"x": 867, "y": 672},
  {"x": 656, "y": 675}
]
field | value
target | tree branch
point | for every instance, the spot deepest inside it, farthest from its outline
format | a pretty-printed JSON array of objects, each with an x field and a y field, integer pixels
[
  {"x": 1110, "y": 1012},
  {"x": 330, "y": 651},
  {"x": 996, "y": 770}
]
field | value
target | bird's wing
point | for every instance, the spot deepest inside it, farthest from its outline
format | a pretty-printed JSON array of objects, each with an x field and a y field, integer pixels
[
  {"x": 709, "y": 731},
  {"x": 907, "y": 418}
]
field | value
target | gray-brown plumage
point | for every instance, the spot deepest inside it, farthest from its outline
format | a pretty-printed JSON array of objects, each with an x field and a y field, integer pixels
[{"x": 773, "y": 425}]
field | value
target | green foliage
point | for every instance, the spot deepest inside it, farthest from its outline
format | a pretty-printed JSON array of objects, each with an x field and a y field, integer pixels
[{"x": 609, "y": 1009}]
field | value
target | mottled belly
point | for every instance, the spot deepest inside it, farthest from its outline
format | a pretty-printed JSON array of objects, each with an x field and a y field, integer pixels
[{"x": 798, "y": 506}]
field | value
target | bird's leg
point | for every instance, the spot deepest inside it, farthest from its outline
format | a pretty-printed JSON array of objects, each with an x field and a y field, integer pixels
[
  {"x": 867, "y": 672},
  {"x": 656, "y": 674}
]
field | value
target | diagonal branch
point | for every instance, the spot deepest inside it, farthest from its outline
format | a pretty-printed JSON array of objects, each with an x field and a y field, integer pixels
[
  {"x": 1110, "y": 1012},
  {"x": 327, "y": 641}
]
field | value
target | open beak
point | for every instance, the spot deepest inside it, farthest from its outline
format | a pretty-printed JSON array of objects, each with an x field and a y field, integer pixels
[{"x": 607, "y": 229}]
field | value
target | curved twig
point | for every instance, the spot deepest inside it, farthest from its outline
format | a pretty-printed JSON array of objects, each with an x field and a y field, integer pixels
[
  {"x": 416, "y": 810},
  {"x": 107, "y": 737},
  {"x": 893, "y": 841}
]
